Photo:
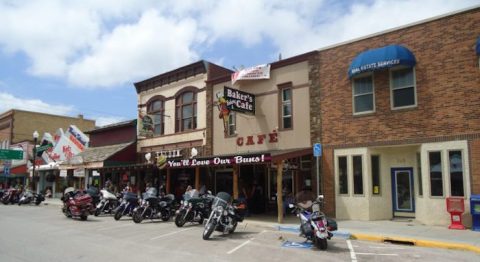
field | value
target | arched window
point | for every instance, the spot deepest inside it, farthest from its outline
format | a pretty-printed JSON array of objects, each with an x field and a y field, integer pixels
[
  {"x": 156, "y": 108},
  {"x": 186, "y": 111}
]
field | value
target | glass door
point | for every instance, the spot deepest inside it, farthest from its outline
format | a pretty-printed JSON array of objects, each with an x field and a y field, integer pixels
[{"x": 402, "y": 190}]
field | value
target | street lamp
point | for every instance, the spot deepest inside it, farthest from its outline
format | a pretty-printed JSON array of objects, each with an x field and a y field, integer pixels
[{"x": 35, "y": 137}]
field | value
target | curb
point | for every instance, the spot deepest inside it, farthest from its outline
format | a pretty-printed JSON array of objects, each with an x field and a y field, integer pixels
[{"x": 417, "y": 242}]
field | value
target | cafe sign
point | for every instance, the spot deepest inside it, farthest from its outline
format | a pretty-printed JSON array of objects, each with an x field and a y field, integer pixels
[
  {"x": 239, "y": 101},
  {"x": 221, "y": 160}
]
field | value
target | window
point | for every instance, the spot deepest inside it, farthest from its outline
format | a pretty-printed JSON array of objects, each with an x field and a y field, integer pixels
[
  {"x": 186, "y": 111},
  {"x": 157, "y": 109},
  {"x": 342, "y": 175},
  {"x": 232, "y": 123},
  {"x": 363, "y": 99},
  {"x": 419, "y": 174},
  {"x": 357, "y": 175},
  {"x": 436, "y": 180},
  {"x": 403, "y": 92},
  {"x": 286, "y": 108},
  {"x": 456, "y": 173},
  {"x": 375, "y": 175}
]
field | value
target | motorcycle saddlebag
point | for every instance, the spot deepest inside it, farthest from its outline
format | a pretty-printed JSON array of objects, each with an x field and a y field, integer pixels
[
  {"x": 83, "y": 199},
  {"x": 331, "y": 224}
]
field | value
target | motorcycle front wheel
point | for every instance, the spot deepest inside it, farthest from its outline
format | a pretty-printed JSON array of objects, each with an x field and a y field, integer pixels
[
  {"x": 321, "y": 243},
  {"x": 235, "y": 223},
  {"x": 118, "y": 214},
  {"x": 137, "y": 216},
  {"x": 165, "y": 215},
  {"x": 208, "y": 230},
  {"x": 180, "y": 219},
  {"x": 97, "y": 211}
]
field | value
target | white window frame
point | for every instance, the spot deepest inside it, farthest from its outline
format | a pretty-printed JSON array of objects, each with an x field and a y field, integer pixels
[
  {"x": 444, "y": 182},
  {"x": 232, "y": 121},
  {"x": 290, "y": 104},
  {"x": 449, "y": 174},
  {"x": 392, "y": 107},
  {"x": 373, "y": 94}
]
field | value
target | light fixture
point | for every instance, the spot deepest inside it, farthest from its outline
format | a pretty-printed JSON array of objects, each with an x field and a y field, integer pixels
[
  {"x": 194, "y": 152},
  {"x": 35, "y": 134},
  {"x": 148, "y": 156}
]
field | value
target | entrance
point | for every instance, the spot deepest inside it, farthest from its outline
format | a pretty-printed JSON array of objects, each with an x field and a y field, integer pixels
[
  {"x": 402, "y": 192},
  {"x": 224, "y": 181}
]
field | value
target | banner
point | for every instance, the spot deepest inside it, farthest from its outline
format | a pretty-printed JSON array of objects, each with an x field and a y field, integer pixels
[
  {"x": 218, "y": 161},
  {"x": 252, "y": 73},
  {"x": 145, "y": 124}
]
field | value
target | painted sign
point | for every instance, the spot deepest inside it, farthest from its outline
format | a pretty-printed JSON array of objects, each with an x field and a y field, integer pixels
[
  {"x": 217, "y": 161},
  {"x": 252, "y": 73},
  {"x": 239, "y": 101},
  {"x": 257, "y": 139}
]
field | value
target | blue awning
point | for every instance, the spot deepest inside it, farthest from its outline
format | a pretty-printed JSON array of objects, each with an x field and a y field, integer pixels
[
  {"x": 478, "y": 46},
  {"x": 381, "y": 58}
]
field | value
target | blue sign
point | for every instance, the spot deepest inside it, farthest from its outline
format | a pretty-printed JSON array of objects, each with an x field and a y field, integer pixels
[
  {"x": 6, "y": 171},
  {"x": 317, "y": 149},
  {"x": 297, "y": 244}
]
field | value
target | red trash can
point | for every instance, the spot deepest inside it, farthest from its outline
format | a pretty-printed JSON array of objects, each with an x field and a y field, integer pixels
[{"x": 456, "y": 207}]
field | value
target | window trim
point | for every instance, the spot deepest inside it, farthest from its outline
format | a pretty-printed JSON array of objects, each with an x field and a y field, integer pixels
[
  {"x": 365, "y": 75},
  {"x": 338, "y": 174},
  {"x": 430, "y": 175},
  {"x": 179, "y": 128},
  {"x": 418, "y": 159},
  {"x": 234, "y": 116},
  {"x": 282, "y": 87},
  {"x": 362, "y": 175},
  {"x": 379, "y": 175},
  {"x": 391, "y": 88},
  {"x": 450, "y": 173},
  {"x": 161, "y": 111}
]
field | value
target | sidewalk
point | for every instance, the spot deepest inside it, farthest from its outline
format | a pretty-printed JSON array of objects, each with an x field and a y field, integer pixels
[{"x": 396, "y": 231}]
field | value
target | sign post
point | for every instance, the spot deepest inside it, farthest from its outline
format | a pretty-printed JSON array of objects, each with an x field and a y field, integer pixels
[{"x": 317, "y": 153}]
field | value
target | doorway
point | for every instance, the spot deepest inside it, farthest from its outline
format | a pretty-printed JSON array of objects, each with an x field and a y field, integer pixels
[{"x": 402, "y": 192}]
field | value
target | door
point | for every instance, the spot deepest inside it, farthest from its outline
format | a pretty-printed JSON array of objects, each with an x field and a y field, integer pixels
[
  {"x": 224, "y": 181},
  {"x": 402, "y": 190}
]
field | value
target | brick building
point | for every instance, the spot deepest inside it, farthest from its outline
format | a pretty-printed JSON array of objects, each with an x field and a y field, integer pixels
[{"x": 400, "y": 120}]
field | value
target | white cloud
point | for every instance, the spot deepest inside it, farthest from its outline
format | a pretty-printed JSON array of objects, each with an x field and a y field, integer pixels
[
  {"x": 106, "y": 120},
  {"x": 108, "y": 43},
  {"x": 135, "y": 51},
  {"x": 11, "y": 102}
]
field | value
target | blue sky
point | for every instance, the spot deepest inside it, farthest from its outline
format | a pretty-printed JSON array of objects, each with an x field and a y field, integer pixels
[{"x": 83, "y": 56}]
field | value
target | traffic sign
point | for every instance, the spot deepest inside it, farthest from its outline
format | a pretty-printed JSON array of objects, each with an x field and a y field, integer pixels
[
  {"x": 44, "y": 147},
  {"x": 11, "y": 154},
  {"x": 317, "y": 149}
]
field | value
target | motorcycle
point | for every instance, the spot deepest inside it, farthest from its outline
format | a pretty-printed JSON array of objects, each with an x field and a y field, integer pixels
[
  {"x": 128, "y": 203},
  {"x": 224, "y": 216},
  {"x": 76, "y": 204},
  {"x": 10, "y": 196},
  {"x": 193, "y": 208},
  {"x": 154, "y": 207},
  {"x": 108, "y": 202},
  {"x": 314, "y": 225},
  {"x": 29, "y": 197}
]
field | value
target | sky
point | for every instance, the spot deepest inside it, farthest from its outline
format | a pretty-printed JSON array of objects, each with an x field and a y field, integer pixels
[{"x": 83, "y": 56}]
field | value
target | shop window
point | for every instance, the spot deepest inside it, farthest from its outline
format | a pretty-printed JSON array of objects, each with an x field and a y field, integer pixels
[
  {"x": 419, "y": 174},
  {"x": 436, "y": 179},
  {"x": 363, "y": 95},
  {"x": 232, "y": 124},
  {"x": 286, "y": 108},
  {"x": 306, "y": 163},
  {"x": 375, "y": 164},
  {"x": 186, "y": 111},
  {"x": 342, "y": 175},
  {"x": 357, "y": 175},
  {"x": 157, "y": 109},
  {"x": 403, "y": 90},
  {"x": 456, "y": 173}
]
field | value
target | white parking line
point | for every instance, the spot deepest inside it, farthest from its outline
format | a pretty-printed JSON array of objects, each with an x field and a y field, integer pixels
[
  {"x": 244, "y": 243},
  {"x": 352, "y": 252},
  {"x": 376, "y": 254},
  {"x": 171, "y": 233}
]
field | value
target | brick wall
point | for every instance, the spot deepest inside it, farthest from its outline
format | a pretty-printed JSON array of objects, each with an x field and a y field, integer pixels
[
  {"x": 447, "y": 78},
  {"x": 474, "y": 147}
]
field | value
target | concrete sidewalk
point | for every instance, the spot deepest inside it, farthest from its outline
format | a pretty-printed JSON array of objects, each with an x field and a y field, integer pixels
[{"x": 402, "y": 231}]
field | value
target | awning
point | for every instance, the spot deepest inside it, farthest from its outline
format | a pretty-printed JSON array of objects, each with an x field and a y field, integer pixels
[
  {"x": 290, "y": 153},
  {"x": 478, "y": 46},
  {"x": 94, "y": 157},
  {"x": 381, "y": 58}
]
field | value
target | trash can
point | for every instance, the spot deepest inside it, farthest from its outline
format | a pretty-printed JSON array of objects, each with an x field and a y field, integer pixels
[
  {"x": 475, "y": 211},
  {"x": 456, "y": 207}
]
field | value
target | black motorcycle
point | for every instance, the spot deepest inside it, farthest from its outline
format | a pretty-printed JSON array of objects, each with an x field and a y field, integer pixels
[
  {"x": 224, "y": 216},
  {"x": 193, "y": 208},
  {"x": 28, "y": 197},
  {"x": 153, "y": 207},
  {"x": 128, "y": 203},
  {"x": 11, "y": 196}
]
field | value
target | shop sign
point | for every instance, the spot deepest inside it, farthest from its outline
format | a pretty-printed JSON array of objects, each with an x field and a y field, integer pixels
[
  {"x": 239, "y": 101},
  {"x": 217, "y": 161},
  {"x": 257, "y": 139}
]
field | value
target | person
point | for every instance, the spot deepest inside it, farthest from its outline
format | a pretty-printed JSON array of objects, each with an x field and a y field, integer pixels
[
  {"x": 127, "y": 188},
  {"x": 287, "y": 200},
  {"x": 48, "y": 192}
]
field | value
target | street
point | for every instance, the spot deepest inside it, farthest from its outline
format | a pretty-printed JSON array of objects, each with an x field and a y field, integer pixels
[{"x": 43, "y": 233}]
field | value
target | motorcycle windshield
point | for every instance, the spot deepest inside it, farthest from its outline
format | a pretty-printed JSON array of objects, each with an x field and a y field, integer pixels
[
  {"x": 222, "y": 199},
  {"x": 92, "y": 191},
  {"x": 129, "y": 196}
]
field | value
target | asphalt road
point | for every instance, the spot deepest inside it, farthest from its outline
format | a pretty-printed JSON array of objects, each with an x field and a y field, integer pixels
[{"x": 31, "y": 233}]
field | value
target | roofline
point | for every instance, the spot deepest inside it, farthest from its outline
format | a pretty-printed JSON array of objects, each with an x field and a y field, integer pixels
[
  {"x": 11, "y": 111},
  {"x": 131, "y": 122},
  {"x": 423, "y": 21}
]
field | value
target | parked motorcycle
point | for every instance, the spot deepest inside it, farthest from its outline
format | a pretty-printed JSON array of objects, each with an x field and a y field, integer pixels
[
  {"x": 30, "y": 197},
  {"x": 193, "y": 208},
  {"x": 108, "y": 202},
  {"x": 153, "y": 207},
  {"x": 224, "y": 216},
  {"x": 77, "y": 204},
  {"x": 11, "y": 196},
  {"x": 128, "y": 203},
  {"x": 314, "y": 225}
]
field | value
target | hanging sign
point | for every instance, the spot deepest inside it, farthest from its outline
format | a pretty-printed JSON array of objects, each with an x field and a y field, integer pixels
[{"x": 239, "y": 101}]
